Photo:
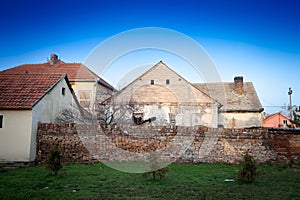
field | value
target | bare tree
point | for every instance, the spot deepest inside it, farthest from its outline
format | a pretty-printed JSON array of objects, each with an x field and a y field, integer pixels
[
  {"x": 74, "y": 115},
  {"x": 110, "y": 112}
]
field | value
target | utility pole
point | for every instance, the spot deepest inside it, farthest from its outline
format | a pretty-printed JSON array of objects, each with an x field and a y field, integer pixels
[{"x": 291, "y": 107}]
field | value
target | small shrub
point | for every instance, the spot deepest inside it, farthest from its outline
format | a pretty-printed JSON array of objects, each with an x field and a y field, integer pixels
[
  {"x": 54, "y": 159},
  {"x": 249, "y": 172},
  {"x": 155, "y": 168},
  {"x": 159, "y": 172}
]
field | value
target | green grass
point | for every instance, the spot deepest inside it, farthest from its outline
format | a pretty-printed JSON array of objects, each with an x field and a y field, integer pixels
[{"x": 184, "y": 181}]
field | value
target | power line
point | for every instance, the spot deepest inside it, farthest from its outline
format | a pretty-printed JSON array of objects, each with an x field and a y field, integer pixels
[
  {"x": 276, "y": 106},
  {"x": 284, "y": 106}
]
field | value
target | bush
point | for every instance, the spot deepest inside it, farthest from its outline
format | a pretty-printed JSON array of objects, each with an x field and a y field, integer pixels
[
  {"x": 248, "y": 173},
  {"x": 54, "y": 159},
  {"x": 155, "y": 168},
  {"x": 159, "y": 172}
]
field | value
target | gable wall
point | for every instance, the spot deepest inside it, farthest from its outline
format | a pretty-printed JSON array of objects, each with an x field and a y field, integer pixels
[
  {"x": 183, "y": 91},
  {"x": 49, "y": 108},
  {"x": 178, "y": 97},
  {"x": 276, "y": 121}
]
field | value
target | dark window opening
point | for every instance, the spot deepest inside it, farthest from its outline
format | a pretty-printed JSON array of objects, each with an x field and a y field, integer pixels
[
  {"x": 152, "y": 82},
  {"x": 1, "y": 121},
  {"x": 168, "y": 81},
  {"x": 63, "y": 91}
]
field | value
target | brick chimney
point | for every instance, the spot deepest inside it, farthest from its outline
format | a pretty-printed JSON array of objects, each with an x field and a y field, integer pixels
[
  {"x": 53, "y": 59},
  {"x": 238, "y": 85}
]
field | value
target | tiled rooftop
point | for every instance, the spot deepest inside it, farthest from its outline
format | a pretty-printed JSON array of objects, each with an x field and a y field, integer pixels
[
  {"x": 74, "y": 71},
  {"x": 224, "y": 93},
  {"x": 23, "y": 91}
]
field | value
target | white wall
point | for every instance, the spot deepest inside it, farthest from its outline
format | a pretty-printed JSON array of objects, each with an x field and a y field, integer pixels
[
  {"x": 49, "y": 108},
  {"x": 18, "y": 135},
  {"x": 15, "y": 135}
]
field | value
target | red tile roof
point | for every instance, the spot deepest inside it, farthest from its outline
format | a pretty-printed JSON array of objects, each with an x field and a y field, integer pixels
[
  {"x": 23, "y": 91},
  {"x": 75, "y": 71}
]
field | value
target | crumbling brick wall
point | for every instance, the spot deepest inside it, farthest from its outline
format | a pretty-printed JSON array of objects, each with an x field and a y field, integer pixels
[
  {"x": 66, "y": 136},
  {"x": 79, "y": 143}
]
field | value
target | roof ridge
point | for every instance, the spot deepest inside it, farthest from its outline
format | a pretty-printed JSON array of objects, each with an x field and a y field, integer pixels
[
  {"x": 271, "y": 115},
  {"x": 169, "y": 68},
  {"x": 33, "y": 74}
]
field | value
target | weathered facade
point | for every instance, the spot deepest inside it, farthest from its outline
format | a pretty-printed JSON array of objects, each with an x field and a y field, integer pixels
[
  {"x": 165, "y": 98},
  {"x": 163, "y": 95},
  {"x": 240, "y": 104}
]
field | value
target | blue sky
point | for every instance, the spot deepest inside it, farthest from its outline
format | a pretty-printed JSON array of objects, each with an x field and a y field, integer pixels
[{"x": 258, "y": 39}]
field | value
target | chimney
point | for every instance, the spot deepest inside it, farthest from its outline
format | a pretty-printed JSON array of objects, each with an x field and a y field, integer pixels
[
  {"x": 238, "y": 85},
  {"x": 53, "y": 59}
]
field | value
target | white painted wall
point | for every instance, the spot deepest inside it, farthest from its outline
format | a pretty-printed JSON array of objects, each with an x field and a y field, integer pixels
[
  {"x": 15, "y": 136},
  {"x": 49, "y": 108}
]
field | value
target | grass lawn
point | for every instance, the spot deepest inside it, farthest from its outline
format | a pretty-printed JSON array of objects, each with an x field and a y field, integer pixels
[{"x": 184, "y": 181}]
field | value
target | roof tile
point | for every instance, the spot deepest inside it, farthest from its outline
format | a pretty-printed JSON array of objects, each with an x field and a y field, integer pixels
[
  {"x": 231, "y": 101},
  {"x": 74, "y": 71},
  {"x": 22, "y": 91}
]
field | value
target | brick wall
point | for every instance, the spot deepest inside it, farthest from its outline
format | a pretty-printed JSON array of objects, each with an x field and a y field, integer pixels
[
  {"x": 80, "y": 143},
  {"x": 66, "y": 136}
]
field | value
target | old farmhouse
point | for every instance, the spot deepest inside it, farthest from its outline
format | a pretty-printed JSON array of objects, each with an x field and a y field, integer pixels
[
  {"x": 85, "y": 83},
  {"x": 162, "y": 96},
  {"x": 33, "y": 93},
  {"x": 25, "y": 100}
]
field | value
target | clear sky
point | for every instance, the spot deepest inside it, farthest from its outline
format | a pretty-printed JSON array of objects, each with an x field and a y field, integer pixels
[{"x": 259, "y": 39}]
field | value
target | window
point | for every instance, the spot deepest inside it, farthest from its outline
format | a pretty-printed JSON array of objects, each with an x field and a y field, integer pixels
[
  {"x": 285, "y": 121},
  {"x": 85, "y": 98},
  {"x": 167, "y": 81},
  {"x": 152, "y": 82},
  {"x": 63, "y": 91},
  {"x": 1, "y": 121}
]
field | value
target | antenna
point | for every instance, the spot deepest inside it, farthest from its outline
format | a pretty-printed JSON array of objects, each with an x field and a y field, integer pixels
[{"x": 290, "y": 92}]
